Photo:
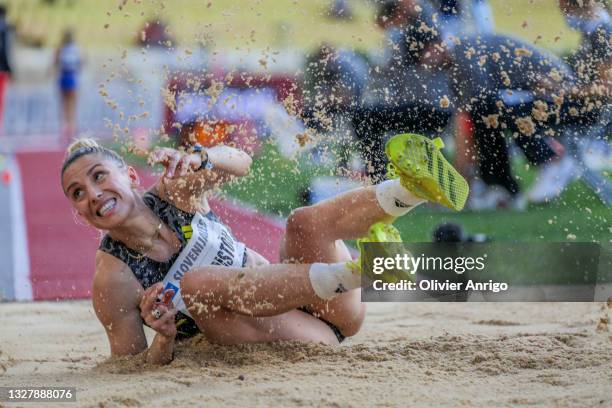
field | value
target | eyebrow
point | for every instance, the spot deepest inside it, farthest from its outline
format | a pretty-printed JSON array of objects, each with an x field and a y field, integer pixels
[{"x": 88, "y": 173}]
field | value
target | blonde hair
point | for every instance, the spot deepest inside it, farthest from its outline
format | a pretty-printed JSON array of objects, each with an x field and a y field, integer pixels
[
  {"x": 80, "y": 143},
  {"x": 84, "y": 146}
]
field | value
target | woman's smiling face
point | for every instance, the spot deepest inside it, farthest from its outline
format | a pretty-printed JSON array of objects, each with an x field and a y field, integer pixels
[{"x": 100, "y": 190}]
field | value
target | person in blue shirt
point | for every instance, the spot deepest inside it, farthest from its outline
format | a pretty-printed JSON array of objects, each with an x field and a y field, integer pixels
[{"x": 68, "y": 64}]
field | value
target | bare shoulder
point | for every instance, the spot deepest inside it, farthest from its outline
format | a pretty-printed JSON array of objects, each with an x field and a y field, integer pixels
[
  {"x": 114, "y": 275},
  {"x": 115, "y": 288}
]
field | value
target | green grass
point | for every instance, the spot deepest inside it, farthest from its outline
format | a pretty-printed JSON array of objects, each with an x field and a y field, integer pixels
[
  {"x": 275, "y": 183},
  {"x": 246, "y": 24}
]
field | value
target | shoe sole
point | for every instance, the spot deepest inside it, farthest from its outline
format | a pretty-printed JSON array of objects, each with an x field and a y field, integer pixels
[{"x": 423, "y": 169}]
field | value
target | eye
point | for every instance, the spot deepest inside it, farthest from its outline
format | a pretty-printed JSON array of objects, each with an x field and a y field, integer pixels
[
  {"x": 99, "y": 175},
  {"x": 77, "y": 193}
]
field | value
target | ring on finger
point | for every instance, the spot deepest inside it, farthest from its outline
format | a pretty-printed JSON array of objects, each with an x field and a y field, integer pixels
[{"x": 156, "y": 313}]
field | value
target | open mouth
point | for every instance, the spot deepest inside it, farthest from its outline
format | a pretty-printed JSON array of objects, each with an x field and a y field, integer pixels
[{"x": 107, "y": 207}]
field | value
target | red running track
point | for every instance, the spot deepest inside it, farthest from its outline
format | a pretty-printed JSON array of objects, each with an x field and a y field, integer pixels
[{"x": 62, "y": 251}]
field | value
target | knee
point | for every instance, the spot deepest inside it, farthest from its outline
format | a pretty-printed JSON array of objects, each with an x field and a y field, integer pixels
[
  {"x": 188, "y": 287},
  {"x": 302, "y": 222},
  {"x": 354, "y": 324}
]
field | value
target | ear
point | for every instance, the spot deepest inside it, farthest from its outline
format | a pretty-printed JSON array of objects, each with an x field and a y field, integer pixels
[{"x": 133, "y": 175}]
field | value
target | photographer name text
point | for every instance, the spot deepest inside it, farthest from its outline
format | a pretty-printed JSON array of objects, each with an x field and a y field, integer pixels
[{"x": 411, "y": 265}]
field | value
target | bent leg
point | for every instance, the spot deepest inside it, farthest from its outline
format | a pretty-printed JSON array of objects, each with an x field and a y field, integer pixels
[
  {"x": 253, "y": 304},
  {"x": 316, "y": 234}
]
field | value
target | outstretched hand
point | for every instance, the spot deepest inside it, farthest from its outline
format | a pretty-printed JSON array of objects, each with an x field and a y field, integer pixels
[
  {"x": 177, "y": 164},
  {"x": 159, "y": 312}
]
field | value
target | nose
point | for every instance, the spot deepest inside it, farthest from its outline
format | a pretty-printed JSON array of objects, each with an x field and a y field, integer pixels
[{"x": 94, "y": 192}]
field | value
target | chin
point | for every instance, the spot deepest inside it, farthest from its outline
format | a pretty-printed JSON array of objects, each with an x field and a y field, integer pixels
[{"x": 109, "y": 222}]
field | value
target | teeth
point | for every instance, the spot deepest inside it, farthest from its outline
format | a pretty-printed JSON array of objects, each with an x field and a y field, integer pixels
[{"x": 109, "y": 205}]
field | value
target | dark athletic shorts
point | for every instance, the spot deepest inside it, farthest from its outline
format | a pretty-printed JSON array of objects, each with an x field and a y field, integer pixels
[{"x": 341, "y": 337}]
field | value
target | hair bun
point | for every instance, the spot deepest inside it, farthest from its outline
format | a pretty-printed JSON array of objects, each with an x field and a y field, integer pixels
[{"x": 81, "y": 143}]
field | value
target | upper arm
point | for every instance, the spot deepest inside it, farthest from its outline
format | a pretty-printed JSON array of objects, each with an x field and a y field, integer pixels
[{"x": 116, "y": 296}]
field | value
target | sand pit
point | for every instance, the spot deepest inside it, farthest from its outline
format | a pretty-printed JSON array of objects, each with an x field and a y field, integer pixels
[{"x": 408, "y": 354}]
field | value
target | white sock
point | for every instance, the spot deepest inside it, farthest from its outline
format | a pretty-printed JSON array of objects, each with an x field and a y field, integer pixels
[
  {"x": 330, "y": 280},
  {"x": 395, "y": 199}
]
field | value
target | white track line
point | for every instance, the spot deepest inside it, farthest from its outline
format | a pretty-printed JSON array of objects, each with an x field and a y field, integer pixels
[{"x": 21, "y": 258}]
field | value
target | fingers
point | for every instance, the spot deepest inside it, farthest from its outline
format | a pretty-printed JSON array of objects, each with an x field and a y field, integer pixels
[
  {"x": 156, "y": 156},
  {"x": 187, "y": 163},
  {"x": 173, "y": 161},
  {"x": 166, "y": 323},
  {"x": 177, "y": 163},
  {"x": 155, "y": 300},
  {"x": 149, "y": 298},
  {"x": 157, "y": 312},
  {"x": 168, "y": 158}
]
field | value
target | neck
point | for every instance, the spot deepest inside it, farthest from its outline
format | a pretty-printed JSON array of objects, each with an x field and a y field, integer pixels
[{"x": 140, "y": 228}]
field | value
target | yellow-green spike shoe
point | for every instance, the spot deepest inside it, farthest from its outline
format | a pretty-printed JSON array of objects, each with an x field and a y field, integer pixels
[
  {"x": 380, "y": 233},
  {"x": 423, "y": 170}
]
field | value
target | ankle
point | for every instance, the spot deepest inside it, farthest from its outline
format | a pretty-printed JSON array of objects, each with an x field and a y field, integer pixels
[{"x": 395, "y": 199}]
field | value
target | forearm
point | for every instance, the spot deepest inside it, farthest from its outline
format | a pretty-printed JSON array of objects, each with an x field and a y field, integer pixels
[
  {"x": 226, "y": 161},
  {"x": 185, "y": 180},
  {"x": 161, "y": 351},
  {"x": 231, "y": 161}
]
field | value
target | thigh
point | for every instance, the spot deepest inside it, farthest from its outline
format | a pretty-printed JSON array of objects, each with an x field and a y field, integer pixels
[
  {"x": 311, "y": 251},
  {"x": 223, "y": 327}
]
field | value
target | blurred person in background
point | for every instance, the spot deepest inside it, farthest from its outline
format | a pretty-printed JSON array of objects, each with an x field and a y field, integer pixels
[
  {"x": 5, "y": 66},
  {"x": 592, "y": 64},
  {"x": 333, "y": 87},
  {"x": 68, "y": 65},
  {"x": 341, "y": 10},
  {"x": 458, "y": 17},
  {"x": 585, "y": 16},
  {"x": 399, "y": 102},
  {"x": 506, "y": 85},
  {"x": 334, "y": 79},
  {"x": 394, "y": 17}
]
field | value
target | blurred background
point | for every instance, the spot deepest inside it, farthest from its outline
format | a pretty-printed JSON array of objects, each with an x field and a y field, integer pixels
[{"x": 519, "y": 90}]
